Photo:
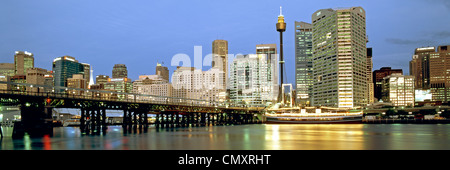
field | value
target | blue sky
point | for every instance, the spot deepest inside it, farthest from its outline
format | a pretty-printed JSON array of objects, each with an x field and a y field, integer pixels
[{"x": 140, "y": 33}]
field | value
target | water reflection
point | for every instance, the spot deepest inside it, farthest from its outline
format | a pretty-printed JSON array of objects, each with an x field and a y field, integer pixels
[{"x": 244, "y": 137}]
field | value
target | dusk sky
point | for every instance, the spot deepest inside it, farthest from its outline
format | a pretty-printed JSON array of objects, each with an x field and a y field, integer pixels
[{"x": 141, "y": 33}]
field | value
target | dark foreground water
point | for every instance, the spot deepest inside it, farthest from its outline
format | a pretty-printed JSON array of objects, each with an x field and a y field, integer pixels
[{"x": 247, "y": 137}]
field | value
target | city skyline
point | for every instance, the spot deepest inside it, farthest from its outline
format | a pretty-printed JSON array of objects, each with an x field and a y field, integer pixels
[{"x": 107, "y": 34}]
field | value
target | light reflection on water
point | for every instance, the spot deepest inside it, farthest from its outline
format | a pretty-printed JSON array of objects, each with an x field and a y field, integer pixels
[{"x": 245, "y": 137}]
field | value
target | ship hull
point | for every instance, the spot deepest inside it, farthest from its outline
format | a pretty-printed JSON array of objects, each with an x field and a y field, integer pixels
[{"x": 347, "y": 120}]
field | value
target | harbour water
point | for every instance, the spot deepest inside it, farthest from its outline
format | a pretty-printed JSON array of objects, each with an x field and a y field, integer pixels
[{"x": 246, "y": 137}]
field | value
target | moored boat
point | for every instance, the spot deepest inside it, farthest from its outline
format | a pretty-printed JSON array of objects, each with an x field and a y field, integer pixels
[{"x": 313, "y": 115}]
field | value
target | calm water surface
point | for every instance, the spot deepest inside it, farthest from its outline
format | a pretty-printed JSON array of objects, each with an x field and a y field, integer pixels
[{"x": 246, "y": 137}]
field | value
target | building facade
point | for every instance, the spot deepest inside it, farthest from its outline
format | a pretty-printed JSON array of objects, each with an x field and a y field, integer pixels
[
  {"x": 303, "y": 63},
  {"x": 398, "y": 90},
  {"x": 430, "y": 67},
  {"x": 249, "y": 82},
  {"x": 162, "y": 71},
  {"x": 339, "y": 58},
  {"x": 220, "y": 58},
  {"x": 23, "y": 60},
  {"x": 64, "y": 67},
  {"x": 119, "y": 71},
  {"x": 192, "y": 83},
  {"x": 378, "y": 76}
]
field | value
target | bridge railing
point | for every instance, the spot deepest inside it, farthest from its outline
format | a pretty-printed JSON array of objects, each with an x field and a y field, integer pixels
[{"x": 106, "y": 95}]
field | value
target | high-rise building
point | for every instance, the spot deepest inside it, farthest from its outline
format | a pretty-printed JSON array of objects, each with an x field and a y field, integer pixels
[
  {"x": 64, "y": 67},
  {"x": 378, "y": 76},
  {"x": 269, "y": 51},
  {"x": 162, "y": 71},
  {"x": 22, "y": 62},
  {"x": 249, "y": 81},
  {"x": 303, "y": 63},
  {"x": 119, "y": 71},
  {"x": 220, "y": 58},
  {"x": 339, "y": 58},
  {"x": 419, "y": 66},
  {"x": 398, "y": 89},
  {"x": 430, "y": 68},
  {"x": 370, "y": 84}
]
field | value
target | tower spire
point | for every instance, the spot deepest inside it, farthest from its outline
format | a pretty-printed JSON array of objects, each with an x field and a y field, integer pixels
[{"x": 281, "y": 9}]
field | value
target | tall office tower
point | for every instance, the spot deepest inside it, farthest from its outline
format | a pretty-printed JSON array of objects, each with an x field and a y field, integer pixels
[
  {"x": 398, "y": 89},
  {"x": 249, "y": 81},
  {"x": 220, "y": 58},
  {"x": 370, "y": 84},
  {"x": 22, "y": 62},
  {"x": 269, "y": 51},
  {"x": 64, "y": 67},
  {"x": 339, "y": 58},
  {"x": 430, "y": 68},
  {"x": 303, "y": 63},
  {"x": 378, "y": 76},
  {"x": 162, "y": 71},
  {"x": 100, "y": 81},
  {"x": 119, "y": 71},
  {"x": 419, "y": 67}
]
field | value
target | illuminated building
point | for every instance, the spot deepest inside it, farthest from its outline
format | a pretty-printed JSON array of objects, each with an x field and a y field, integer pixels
[
  {"x": 378, "y": 76},
  {"x": 119, "y": 71},
  {"x": 430, "y": 66},
  {"x": 220, "y": 58},
  {"x": 339, "y": 58},
  {"x": 7, "y": 69},
  {"x": 152, "y": 85},
  {"x": 77, "y": 81},
  {"x": 398, "y": 90},
  {"x": 22, "y": 62},
  {"x": 303, "y": 62},
  {"x": 36, "y": 76},
  {"x": 249, "y": 83},
  {"x": 122, "y": 85},
  {"x": 192, "y": 83},
  {"x": 64, "y": 67}
]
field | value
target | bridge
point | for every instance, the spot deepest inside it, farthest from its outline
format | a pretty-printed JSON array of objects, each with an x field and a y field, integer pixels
[{"x": 36, "y": 103}]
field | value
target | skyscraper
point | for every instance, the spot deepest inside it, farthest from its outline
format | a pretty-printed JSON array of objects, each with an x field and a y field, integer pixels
[
  {"x": 339, "y": 57},
  {"x": 162, "y": 71},
  {"x": 249, "y": 81},
  {"x": 303, "y": 62},
  {"x": 220, "y": 57},
  {"x": 119, "y": 71},
  {"x": 430, "y": 67},
  {"x": 22, "y": 62},
  {"x": 370, "y": 84},
  {"x": 269, "y": 51},
  {"x": 64, "y": 67}
]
